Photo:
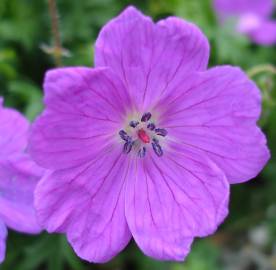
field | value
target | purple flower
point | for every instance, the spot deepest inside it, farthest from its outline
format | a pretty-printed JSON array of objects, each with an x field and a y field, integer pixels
[
  {"x": 146, "y": 144},
  {"x": 18, "y": 177},
  {"x": 253, "y": 18}
]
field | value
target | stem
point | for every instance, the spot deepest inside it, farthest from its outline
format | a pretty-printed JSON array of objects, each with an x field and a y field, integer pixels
[
  {"x": 260, "y": 69},
  {"x": 55, "y": 31}
]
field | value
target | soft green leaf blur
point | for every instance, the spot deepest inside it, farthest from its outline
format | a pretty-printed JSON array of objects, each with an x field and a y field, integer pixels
[{"x": 247, "y": 240}]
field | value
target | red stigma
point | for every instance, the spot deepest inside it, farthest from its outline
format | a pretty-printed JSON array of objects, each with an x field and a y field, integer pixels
[{"x": 143, "y": 136}]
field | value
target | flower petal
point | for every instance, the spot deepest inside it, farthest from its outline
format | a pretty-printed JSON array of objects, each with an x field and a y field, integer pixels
[
  {"x": 3, "y": 235},
  {"x": 216, "y": 112},
  {"x": 262, "y": 8},
  {"x": 10, "y": 141},
  {"x": 265, "y": 34},
  {"x": 19, "y": 176},
  {"x": 172, "y": 199},
  {"x": 87, "y": 202},
  {"x": 85, "y": 109},
  {"x": 148, "y": 56}
]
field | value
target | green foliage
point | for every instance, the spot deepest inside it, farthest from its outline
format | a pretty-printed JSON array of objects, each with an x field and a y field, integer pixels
[
  {"x": 203, "y": 249},
  {"x": 25, "y": 32}
]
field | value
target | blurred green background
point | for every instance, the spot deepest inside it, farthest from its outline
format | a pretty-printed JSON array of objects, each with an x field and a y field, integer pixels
[{"x": 247, "y": 240}]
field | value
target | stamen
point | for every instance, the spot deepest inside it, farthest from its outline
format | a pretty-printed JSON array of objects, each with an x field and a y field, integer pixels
[
  {"x": 128, "y": 146},
  {"x": 146, "y": 117},
  {"x": 133, "y": 123},
  {"x": 161, "y": 132},
  {"x": 157, "y": 148},
  {"x": 142, "y": 152},
  {"x": 151, "y": 126},
  {"x": 124, "y": 136},
  {"x": 143, "y": 136}
]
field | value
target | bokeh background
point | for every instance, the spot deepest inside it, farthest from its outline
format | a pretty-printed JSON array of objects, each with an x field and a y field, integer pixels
[{"x": 247, "y": 240}]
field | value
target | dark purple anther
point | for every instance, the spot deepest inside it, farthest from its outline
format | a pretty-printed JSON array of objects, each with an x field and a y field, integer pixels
[
  {"x": 142, "y": 152},
  {"x": 161, "y": 132},
  {"x": 124, "y": 136},
  {"x": 133, "y": 123},
  {"x": 127, "y": 147},
  {"x": 151, "y": 126},
  {"x": 157, "y": 148},
  {"x": 146, "y": 117}
]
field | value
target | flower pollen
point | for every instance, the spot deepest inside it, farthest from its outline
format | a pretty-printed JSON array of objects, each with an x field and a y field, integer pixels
[
  {"x": 157, "y": 148},
  {"x": 146, "y": 117}
]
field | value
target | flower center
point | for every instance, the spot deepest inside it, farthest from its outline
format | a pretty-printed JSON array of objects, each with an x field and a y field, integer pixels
[{"x": 142, "y": 134}]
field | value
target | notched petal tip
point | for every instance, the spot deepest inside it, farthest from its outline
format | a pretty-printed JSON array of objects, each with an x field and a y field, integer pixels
[
  {"x": 135, "y": 43},
  {"x": 222, "y": 114},
  {"x": 181, "y": 28}
]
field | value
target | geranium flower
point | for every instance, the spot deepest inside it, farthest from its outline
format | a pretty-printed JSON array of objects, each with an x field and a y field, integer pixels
[
  {"x": 18, "y": 177},
  {"x": 253, "y": 18},
  {"x": 145, "y": 144}
]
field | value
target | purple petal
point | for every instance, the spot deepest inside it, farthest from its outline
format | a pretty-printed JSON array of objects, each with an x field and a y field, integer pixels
[
  {"x": 216, "y": 112},
  {"x": 87, "y": 202},
  {"x": 85, "y": 109},
  {"x": 12, "y": 142},
  {"x": 19, "y": 176},
  {"x": 172, "y": 199},
  {"x": 227, "y": 8},
  {"x": 3, "y": 235},
  {"x": 149, "y": 56},
  {"x": 265, "y": 34},
  {"x": 248, "y": 23}
]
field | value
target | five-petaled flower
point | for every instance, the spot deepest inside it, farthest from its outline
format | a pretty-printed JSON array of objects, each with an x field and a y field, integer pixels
[
  {"x": 18, "y": 177},
  {"x": 145, "y": 144},
  {"x": 252, "y": 16}
]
